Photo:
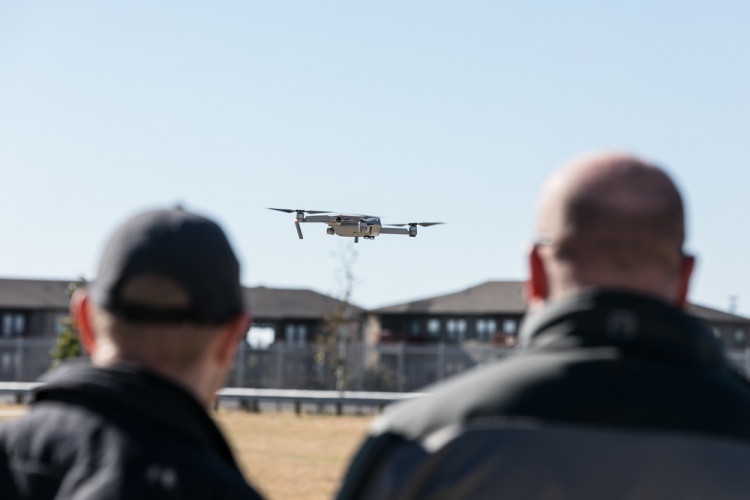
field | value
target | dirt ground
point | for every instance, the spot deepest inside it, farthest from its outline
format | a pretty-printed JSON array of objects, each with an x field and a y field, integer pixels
[{"x": 283, "y": 455}]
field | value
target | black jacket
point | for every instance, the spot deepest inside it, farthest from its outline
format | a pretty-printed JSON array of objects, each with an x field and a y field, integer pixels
[
  {"x": 116, "y": 433},
  {"x": 601, "y": 378}
]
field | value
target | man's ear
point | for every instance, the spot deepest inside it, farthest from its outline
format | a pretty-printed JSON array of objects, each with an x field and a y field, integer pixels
[
  {"x": 80, "y": 313},
  {"x": 233, "y": 332},
  {"x": 687, "y": 265},
  {"x": 537, "y": 286}
]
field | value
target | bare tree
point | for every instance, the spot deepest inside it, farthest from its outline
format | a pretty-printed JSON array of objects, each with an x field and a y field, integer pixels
[{"x": 330, "y": 352}]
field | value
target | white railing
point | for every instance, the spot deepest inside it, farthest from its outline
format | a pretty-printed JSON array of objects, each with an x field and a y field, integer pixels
[{"x": 251, "y": 399}]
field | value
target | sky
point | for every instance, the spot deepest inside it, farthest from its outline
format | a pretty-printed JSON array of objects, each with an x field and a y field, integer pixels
[{"x": 411, "y": 111}]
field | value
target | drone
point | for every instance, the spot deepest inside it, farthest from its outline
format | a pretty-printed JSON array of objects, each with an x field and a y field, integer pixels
[{"x": 352, "y": 225}]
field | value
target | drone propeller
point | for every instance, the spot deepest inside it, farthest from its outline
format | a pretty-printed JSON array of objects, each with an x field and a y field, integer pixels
[
  {"x": 423, "y": 224},
  {"x": 300, "y": 214},
  {"x": 290, "y": 211}
]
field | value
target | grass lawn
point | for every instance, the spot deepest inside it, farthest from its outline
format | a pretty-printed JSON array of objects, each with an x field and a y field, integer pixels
[
  {"x": 293, "y": 457},
  {"x": 283, "y": 455}
]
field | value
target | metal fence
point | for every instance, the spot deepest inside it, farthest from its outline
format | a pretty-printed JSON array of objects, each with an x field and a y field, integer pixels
[
  {"x": 356, "y": 366},
  {"x": 24, "y": 360},
  {"x": 739, "y": 359},
  {"x": 350, "y": 367}
]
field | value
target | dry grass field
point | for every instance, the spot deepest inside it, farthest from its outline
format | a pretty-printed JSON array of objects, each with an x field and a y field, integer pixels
[
  {"x": 293, "y": 457},
  {"x": 284, "y": 455}
]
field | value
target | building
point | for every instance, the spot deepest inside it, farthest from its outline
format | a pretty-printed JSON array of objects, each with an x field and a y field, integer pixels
[
  {"x": 291, "y": 322},
  {"x": 731, "y": 329},
  {"x": 298, "y": 316},
  {"x": 32, "y": 308},
  {"x": 32, "y": 314},
  {"x": 491, "y": 313},
  {"x": 401, "y": 347},
  {"x": 488, "y": 313}
]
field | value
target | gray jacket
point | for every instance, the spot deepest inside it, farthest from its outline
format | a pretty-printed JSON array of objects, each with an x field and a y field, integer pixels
[{"x": 614, "y": 395}]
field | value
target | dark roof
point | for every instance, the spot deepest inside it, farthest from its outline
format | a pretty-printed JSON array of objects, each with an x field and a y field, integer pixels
[
  {"x": 507, "y": 297},
  {"x": 278, "y": 303},
  {"x": 710, "y": 314},
  {"x": 34, "y": 294},
  {"x": 492, "y": 297},
  {"x": 265, "y": 303}
]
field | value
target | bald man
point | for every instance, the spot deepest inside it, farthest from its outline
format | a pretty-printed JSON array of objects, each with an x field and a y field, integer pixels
[
  {"x": 615, "y": 393},
  {"x": 610, "y": 221}
]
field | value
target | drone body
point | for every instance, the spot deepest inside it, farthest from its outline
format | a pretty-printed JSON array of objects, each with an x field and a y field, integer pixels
[{"x": 352, "y": 225}]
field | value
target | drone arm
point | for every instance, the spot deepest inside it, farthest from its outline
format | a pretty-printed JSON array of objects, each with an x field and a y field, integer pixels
[
  {"x": 316, "y": 218},
  {"x": 394, "y": 230}
]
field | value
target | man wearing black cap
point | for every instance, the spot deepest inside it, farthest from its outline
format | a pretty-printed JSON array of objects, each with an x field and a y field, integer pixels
[
  {"x": 161, "y": 322},
  {"x": 616, "y": 393}
]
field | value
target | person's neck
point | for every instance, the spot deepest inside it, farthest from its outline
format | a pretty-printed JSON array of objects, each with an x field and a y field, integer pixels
[
  {"x": 193, "y": 379},
  {"x": 564, "y": 292}
]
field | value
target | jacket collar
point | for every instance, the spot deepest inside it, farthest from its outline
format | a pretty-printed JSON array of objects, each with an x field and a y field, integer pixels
[
  {"x": 634, "y": 322},
  {"x": 128, "y": 391}
]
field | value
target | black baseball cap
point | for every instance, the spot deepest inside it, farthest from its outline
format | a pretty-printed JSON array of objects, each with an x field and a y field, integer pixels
[{"x": 186, "y": 248}]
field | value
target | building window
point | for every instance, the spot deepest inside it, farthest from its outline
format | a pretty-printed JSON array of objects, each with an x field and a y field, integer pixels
[
  {"x": 433, "y": 327},
  {"x": 14, "y": 324},
  {"x": 7, "y": 363},
  {"x": 739, "y": 336},
  {"x": 260, "y": 337},
  {"x": 461, "y": 325},
  {"x": 510, "y": 326},
  {"x": 414, "y": 328},
  {"x": 60, "y": 319},
  {"x": 456, "y": 328},
  {"x": 450, "y": 328},
  {"x": 296, "y": 333},
  {"x": 486, "y": 329}
]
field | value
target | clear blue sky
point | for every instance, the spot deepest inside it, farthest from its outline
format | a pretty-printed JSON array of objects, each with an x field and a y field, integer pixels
[{"x": 419, "y": 110}]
